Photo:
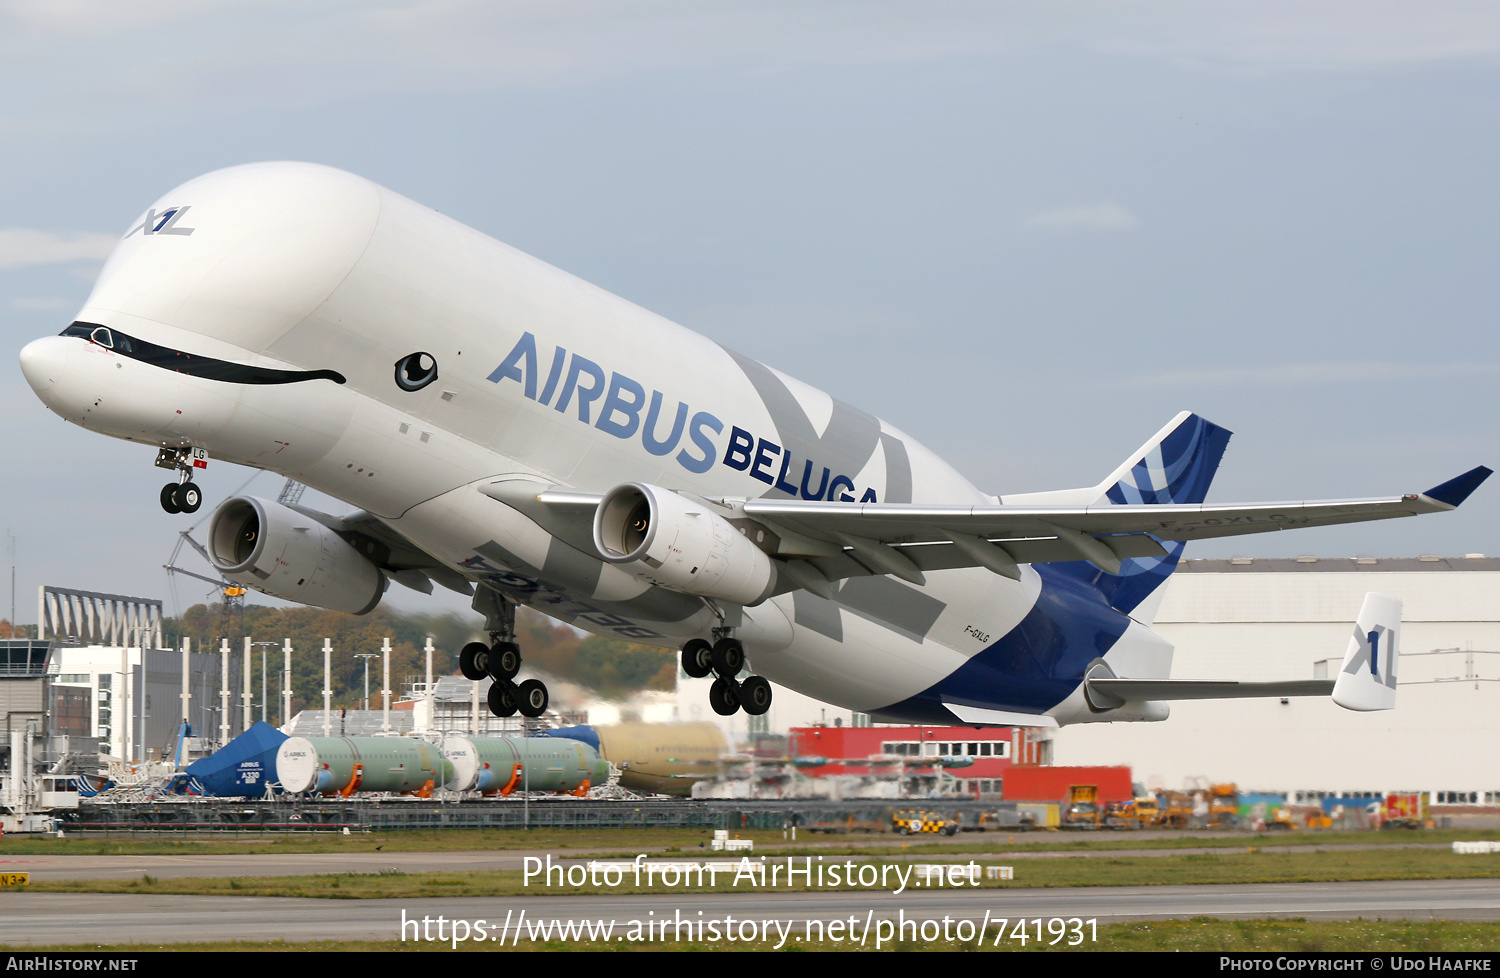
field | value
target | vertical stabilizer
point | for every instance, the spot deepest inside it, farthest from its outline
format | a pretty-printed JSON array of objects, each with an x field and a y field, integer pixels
[{"x": 1176, "y": 466}]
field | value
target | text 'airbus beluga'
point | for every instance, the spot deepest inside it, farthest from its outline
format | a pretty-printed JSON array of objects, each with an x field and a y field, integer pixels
[{"x": 508, "y": 431}]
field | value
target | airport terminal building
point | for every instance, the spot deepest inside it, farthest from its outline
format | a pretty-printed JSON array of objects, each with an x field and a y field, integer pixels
[{"x": 1267, "y": 619}]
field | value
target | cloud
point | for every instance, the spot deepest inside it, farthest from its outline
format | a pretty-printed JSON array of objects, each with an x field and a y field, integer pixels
[
  {"x": 25, "y": 246},
  {"x": 1084, "y": 217},
  {"x": 93, "y": 63},
  {"x": 1314, "y": 374}
]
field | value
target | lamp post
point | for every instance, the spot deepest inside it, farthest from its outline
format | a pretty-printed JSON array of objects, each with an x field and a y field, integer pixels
[
  {"x": 367, "y": 656},
  {"x": 263, "y": 646}
]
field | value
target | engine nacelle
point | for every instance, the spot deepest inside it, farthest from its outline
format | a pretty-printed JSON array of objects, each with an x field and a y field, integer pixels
[
  {"x": 278, "y": 551},
  {"x": 677, "y": 543}
]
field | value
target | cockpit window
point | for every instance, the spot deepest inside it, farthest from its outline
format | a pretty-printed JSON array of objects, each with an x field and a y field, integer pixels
[{"x": 188, "y": 363}]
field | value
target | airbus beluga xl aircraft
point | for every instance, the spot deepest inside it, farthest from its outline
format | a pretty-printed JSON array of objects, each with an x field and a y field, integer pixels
[{"x": 510, "y": 432}]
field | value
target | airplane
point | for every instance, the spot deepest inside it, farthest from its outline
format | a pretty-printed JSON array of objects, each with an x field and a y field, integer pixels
[{"x": 512, "y": 433}]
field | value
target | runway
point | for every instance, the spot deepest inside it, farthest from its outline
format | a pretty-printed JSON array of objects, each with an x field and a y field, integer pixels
[{"x": 49, "y": 918}]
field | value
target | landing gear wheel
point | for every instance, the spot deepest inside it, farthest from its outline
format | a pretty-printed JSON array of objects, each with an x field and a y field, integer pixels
[
  {"x": 755, "y": 696},
  {"x": 502, "y": 699},
  {"x": 473, "y": 660},
  {"x": 188, "y": 497},
  {"x": 504, "y": 660},
  {"x": 728, "y": 658},
  {"x": 533, "y": 698},
  {"x": 724, "y": 697},
  {"x": 169, "y": 498},
  {"x": 697, "y": 658}
]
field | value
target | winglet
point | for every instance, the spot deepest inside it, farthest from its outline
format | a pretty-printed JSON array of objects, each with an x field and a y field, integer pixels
[
  {"x": 1367, "y": 678},
  {"x": 1455, "y": 491}
]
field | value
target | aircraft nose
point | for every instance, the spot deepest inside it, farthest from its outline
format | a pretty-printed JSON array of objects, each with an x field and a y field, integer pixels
[{"x": 42, "y": 361}]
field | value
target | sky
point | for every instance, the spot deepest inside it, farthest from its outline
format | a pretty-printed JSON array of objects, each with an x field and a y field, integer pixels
[{"x": 1025, "y": 233}]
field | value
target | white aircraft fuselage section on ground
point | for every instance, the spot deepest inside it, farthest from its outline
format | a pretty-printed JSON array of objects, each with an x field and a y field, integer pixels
[{"x": 302, "y": 320}]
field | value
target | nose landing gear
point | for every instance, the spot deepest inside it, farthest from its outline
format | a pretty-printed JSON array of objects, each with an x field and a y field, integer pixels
[{"x": 182, "y": 496}]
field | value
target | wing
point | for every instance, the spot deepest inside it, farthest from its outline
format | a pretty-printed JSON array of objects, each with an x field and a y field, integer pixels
[
  {"x": 819, "y": 542},
  {"x": 401, "y": 560},
  {"x": 816, "y": 543},
  {"x": 907, "y": 539}
]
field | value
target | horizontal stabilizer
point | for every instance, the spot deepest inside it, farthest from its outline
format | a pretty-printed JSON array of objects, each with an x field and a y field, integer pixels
[
  {"x": 1197, "y": 689},
  {"x": 1366, "y": 680}
]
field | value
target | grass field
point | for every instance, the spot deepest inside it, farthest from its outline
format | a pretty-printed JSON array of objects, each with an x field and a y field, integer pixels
[{"x": 1244, "y": 865}]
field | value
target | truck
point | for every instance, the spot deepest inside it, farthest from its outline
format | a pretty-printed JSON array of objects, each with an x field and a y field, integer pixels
[
  {"x": 1223, "y": 806},
  {"x": 1404, "y": 810},
  {"x": 1080, "y": 807}
]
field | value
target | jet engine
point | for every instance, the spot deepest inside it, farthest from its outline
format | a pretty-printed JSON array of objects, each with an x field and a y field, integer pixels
[
  {"x": 278, "y": 551},
  {"x": 678, "y": 543}
]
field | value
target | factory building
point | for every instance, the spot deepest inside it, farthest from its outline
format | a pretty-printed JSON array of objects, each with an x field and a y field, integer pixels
[
  {"x": 977, "y": 759},
  {"x": 37, "y": 763},
  {"x": 1265, "y": 619},
  {"x": 130, "y": 699}
]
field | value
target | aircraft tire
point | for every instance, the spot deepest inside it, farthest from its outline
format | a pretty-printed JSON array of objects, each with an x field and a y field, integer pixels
[
  {"x": 724, "y": 698},
  {"x": 502, "y": 699},
  {"x": 188, "y": 497},
  {"x": 473, "y": 659},
  {"x": 697, "y": 658},
  {"x": 504, "y": 660},
  {"x": 169, "y": 498},
  {"x": 532, "y": 698},
  {"x": 728, "y": 658},
  {"x": 755, "y": 696}
]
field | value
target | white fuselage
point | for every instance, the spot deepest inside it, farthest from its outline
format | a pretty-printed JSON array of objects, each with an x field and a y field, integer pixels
[{"x": 540, "y": 376}]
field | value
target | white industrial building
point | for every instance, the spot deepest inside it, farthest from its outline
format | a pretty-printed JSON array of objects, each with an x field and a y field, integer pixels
[
  {"x": 133, "y": 718},
  {"x": 1272, "y": 619}
]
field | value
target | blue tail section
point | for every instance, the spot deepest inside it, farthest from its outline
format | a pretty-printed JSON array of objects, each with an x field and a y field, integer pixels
[
  {"x": 1081, "y": 612},
  {"x": 1176, "y": 466}
]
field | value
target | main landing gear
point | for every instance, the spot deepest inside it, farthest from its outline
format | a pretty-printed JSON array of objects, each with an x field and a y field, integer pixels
[
  {"x": 182, "y": 496},
  {"x": 501, "y": 661},
  {"x": 725, "y": 658}
]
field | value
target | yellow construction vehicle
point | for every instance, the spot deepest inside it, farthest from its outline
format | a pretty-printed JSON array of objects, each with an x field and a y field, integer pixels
[
  {"x": 1080, "y": 808},
  {"x": 1144, "y": 811},
  {"x": 1223, "y": 806}
]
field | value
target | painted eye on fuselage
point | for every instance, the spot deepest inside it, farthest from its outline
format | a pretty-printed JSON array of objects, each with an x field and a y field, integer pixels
[{"x": 415, "y": 371}]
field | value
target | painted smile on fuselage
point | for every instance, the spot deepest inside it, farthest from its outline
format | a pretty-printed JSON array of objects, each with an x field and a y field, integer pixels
[{"x": 191, "y": 364}]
